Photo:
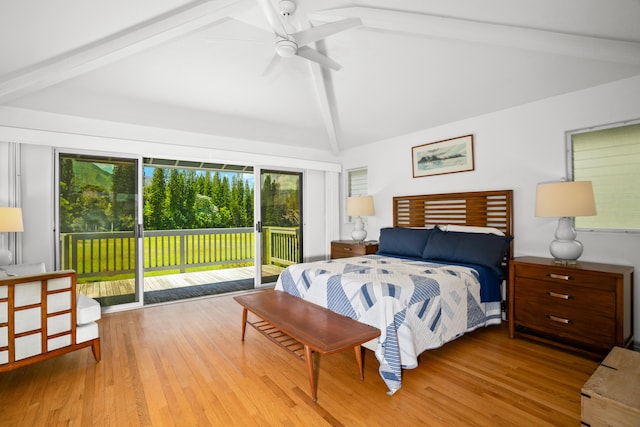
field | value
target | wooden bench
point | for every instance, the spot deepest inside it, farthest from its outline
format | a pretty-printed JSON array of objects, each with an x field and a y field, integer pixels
[{"x": 305, "y": 329}]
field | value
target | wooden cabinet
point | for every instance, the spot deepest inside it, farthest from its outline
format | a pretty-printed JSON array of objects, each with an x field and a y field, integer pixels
[
  {"x": 349, "y": 248},
  {"x": 39, "y": 319},
  {"x": 584, "y": 306}
]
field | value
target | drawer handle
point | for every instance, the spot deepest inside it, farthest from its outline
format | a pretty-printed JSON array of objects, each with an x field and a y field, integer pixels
[
  {"x": 346, "y": 249},
  {"x": 557, "y": 295},
  {"x": 559, "y": 276},
  {"x": 559, "y": 319}
]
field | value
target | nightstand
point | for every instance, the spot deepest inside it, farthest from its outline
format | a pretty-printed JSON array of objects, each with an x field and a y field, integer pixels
[
  {"x": 584, "y": 306},
  {"x": 349, "y": 248}
]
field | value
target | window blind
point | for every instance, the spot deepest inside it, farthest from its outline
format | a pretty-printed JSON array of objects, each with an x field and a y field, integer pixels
[{"x": 610, "y": 158}]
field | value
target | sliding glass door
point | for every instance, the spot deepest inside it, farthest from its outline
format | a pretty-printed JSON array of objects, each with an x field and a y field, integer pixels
[
  {"x": 144, "y": 231},
  {"x": 279, "y": 231},
  {"x": 198, "y": 229},
  {"x": 98, "y": 215}
]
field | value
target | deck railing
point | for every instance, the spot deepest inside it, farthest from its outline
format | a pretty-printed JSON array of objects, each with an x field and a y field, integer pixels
[{"x": 107, "y": 254}]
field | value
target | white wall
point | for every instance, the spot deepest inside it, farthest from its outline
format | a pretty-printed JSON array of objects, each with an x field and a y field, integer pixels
[{"x": 514, "y": 149}]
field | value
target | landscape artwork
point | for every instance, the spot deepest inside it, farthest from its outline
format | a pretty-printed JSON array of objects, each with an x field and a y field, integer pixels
[{"x": 446, "y": 156}]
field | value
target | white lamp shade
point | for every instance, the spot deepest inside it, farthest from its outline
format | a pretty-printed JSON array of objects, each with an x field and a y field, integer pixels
[
  {"x": 360, "y": 206},
  {"x": 565, "y": 199},
  {"x": 11, "y": 220}
]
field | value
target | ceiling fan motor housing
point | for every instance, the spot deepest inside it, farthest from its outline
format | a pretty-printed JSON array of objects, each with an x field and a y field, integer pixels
[
  {"x": 287, "y": 7},
  {"x": 286, "y": 48}
]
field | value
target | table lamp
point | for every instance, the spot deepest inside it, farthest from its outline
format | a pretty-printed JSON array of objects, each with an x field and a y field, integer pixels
[
  {"x": 10, "y": 222},
  {"x": 360, "y": 206},
  {"x": 565, "y": 200}
]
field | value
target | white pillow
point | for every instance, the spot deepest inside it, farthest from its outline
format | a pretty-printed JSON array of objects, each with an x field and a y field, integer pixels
[
  {"x": 473, "y": 229},
  {"x": 24, "y": 269}
]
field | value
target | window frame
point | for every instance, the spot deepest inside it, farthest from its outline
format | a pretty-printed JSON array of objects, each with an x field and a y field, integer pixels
[
  {"x": 347, "y": 186},
  {"x": 570, "y": 170}
]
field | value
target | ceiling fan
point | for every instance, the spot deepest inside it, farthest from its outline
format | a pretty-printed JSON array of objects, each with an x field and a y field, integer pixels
[{"x": 289, "y": 44}]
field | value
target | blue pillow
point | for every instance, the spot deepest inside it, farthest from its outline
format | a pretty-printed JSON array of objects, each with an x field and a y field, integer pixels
[
  {"x": 404, "y": 242},
  {"x": 469, "y": 248}
]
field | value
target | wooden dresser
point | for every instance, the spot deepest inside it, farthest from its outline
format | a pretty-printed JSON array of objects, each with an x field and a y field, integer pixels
[
  {"x": 584, "y": 306},
  {"x": 349, "y": 248}
]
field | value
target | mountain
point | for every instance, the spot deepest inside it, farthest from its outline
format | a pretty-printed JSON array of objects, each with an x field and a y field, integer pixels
[{"x": 89, "y": 173}]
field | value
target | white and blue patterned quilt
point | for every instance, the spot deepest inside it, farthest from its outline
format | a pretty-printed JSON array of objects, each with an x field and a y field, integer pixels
[{"x": 416, "y": 305}]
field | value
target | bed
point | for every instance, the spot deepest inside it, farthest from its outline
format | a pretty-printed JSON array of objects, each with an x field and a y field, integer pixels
[{"x": 438, "y": 274}]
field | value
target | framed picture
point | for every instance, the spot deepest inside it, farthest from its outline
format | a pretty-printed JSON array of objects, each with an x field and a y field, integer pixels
[{"x": 447, "y": 156}]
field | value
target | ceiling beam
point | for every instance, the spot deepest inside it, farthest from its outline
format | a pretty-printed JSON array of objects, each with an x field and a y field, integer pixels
[
  {"x": 550, "y": 42},
  {"x": 171, "y": 25},
  {"x": 326, "y": 102}
]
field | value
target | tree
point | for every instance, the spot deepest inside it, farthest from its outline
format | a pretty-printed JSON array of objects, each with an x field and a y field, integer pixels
[
  {"x": 205, "y": 212},
  {"x": 123, "y": 190},
  {"x": 95, "y": 207},
  {"x": 69, "y": 209},
  {"x": 175, "y": 198},
  {"x": 155, "y": 196},
  {"x": 187, "y": 199}
]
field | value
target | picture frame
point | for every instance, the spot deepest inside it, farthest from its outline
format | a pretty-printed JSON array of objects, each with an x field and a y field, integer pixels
[{"x": 441, "y": 157}]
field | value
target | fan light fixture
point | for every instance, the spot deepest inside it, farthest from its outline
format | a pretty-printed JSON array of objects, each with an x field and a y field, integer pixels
[
  {"x": 289, "y": 44},
  {"x": 286, "y": 48}
]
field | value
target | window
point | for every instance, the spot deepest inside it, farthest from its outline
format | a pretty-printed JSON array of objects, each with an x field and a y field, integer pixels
[
  {"x": 610, "y": 158},
  {"x": 357, "y": 184}
]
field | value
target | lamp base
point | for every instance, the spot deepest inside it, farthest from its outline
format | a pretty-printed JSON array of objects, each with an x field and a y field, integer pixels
[
  {"x": 565, "y": 249},
  {"x": 5, "y": 257},
  {"x": 359, "y": 233}
]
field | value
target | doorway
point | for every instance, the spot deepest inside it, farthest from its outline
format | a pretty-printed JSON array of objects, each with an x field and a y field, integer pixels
[
  {"x": 279, "y": 223},
  {"x": 97, "y": 225}
]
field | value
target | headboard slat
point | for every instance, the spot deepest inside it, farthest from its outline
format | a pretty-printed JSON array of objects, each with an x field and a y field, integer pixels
[{"x": 479, "y": 208}]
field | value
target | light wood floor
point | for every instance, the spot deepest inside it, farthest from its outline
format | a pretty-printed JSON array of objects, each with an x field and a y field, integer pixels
[{"x": 184, "y": 364}]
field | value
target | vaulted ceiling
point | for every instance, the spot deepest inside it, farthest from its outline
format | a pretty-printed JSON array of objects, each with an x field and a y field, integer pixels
[{"x": 203, "y": 66}]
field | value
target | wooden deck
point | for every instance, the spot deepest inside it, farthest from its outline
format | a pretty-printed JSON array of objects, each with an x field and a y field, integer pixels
[{"x": 172, "y": 281}]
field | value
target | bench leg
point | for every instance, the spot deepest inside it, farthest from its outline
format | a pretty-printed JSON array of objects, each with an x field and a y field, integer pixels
[
  {"x": 95, "y": 348},
  {"x": 360, "y": 360},
  {"x": 313, "y": 366},
  {"x": 244, "y": 322}
]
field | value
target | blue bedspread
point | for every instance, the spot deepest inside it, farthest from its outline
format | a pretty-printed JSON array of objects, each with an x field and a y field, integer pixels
[{"x": 416, "y": 305}]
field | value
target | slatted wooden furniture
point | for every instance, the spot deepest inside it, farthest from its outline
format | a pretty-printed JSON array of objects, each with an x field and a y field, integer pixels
[
  {"x": 305, "y": 329},
  {"x": 38, "y": 316},
  {"x": 475, "y": 208}
]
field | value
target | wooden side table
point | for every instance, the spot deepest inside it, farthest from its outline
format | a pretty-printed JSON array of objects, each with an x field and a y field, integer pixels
[
  {"x": 349, "y": 248},
  {"x": 584, "y": 306}
]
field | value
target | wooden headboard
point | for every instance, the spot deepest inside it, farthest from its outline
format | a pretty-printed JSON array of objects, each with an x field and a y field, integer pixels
[{"x": 480, "y": 209}]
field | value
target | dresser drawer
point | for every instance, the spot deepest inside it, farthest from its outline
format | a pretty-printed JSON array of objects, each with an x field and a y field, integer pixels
[
  {"x": 579, "y": 314},
  {"x": 564, "y": 298},
  {"x": 340, "y": 249},
  {"x": 566, "y": 275}
]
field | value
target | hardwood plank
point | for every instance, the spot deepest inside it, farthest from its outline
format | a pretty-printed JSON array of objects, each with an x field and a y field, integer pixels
[
  {"x": 184, "y": 364},
  {"x": 171, "y": 281}
]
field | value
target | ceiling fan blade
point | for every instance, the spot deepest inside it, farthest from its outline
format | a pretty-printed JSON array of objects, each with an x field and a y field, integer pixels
[
  {"x": 323, "y": 31},
  {"x": 271, "y": 65},
  {"x": 273, "y": 18},
  {"x": 315, "y": 56}
]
